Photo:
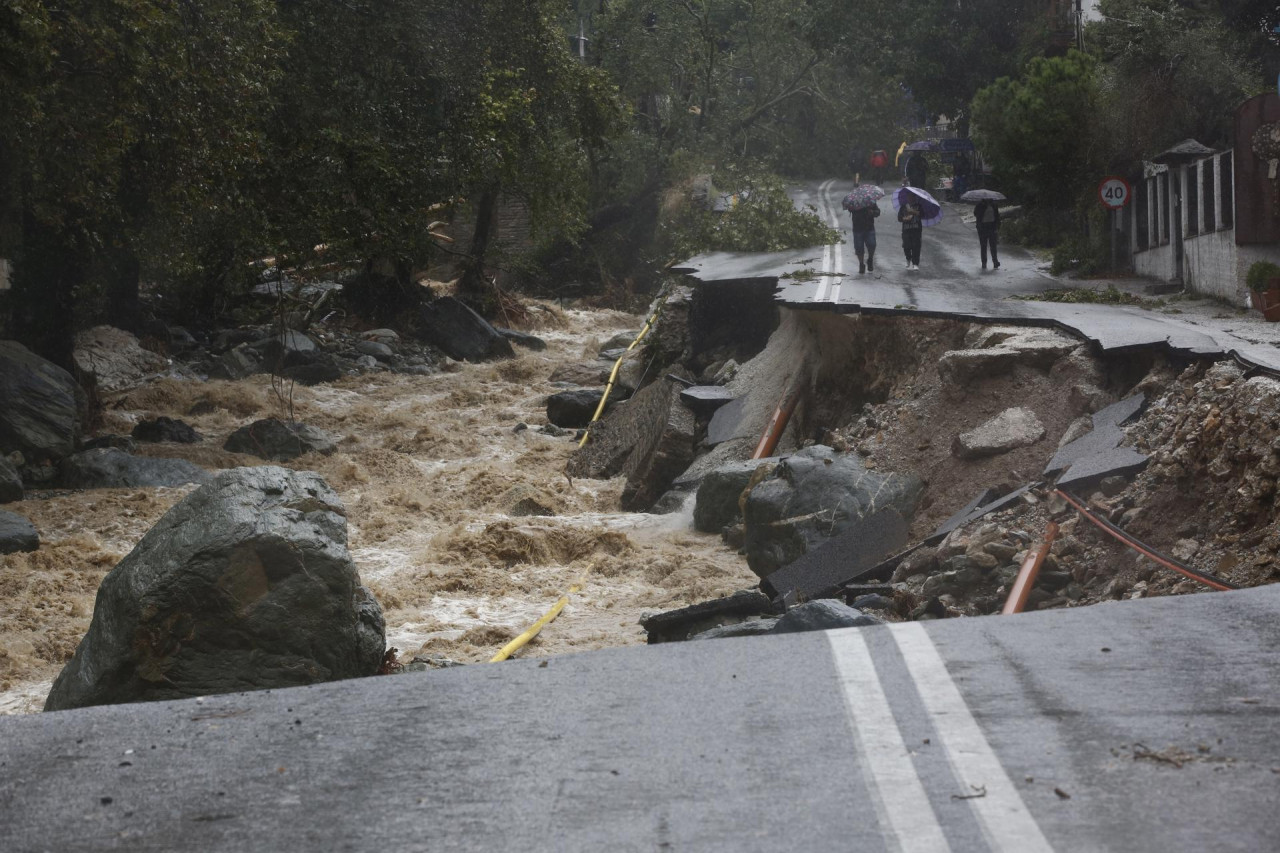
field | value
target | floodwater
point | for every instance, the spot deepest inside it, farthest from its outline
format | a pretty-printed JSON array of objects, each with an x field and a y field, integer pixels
[{"x": 434, "y": 476}]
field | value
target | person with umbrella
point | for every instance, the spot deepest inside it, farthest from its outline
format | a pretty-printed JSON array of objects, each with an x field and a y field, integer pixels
[
  {"x": 987, "y": 215},
  {"x": 916, "y": 211},
  {"x": 861, "y": 203}
]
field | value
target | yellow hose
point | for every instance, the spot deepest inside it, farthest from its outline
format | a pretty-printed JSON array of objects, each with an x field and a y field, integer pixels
[
  {"x": 613, "y": 374},
  {"x": 547, "y": 618}
]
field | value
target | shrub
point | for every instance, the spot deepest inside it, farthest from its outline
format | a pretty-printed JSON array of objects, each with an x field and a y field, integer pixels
[{"x": 1260, "y": 274}]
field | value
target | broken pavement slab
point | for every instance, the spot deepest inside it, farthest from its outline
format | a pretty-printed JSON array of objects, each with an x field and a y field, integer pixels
[
  {"x": 974, "y": 510},
  {"x": 678, "y": 625},
  {"x": 705, "y": 400},
  {"x": 1098, "y": 453},
  {"x": 837, "y": 561}
]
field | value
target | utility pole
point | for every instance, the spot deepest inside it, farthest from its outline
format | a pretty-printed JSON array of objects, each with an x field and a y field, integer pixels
[{"x": 1079, "y": 25}]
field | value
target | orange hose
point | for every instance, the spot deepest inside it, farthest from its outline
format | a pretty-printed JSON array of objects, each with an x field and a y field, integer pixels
[
  {"x": 777, "y": 424},
  {"x": 1028, "y": 573},
  {"x": 1144, "y": 551}
]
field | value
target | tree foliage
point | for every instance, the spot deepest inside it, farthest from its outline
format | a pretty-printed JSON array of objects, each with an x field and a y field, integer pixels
[{"x": 1038, "y": 130}]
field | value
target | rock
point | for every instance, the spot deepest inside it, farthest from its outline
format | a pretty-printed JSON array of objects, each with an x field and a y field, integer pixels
[
  {"x": 523, "y": 339},
  {"x": 228, "y": 338},
  {"x": 524, "y": 500},
  {"x": 1077, "y": 429},
  {"x": 460, "y": 332},
  {"x": 40, "y": 415},
  {"x": 823, "y": 615},
  {"x": 961, "y": 367},
  {"x": 246, "y": 584},
  {"x": 164, "y": 429},
  {"x": 380, "y": 351},
  {"x": 367, "y": 362},
  {"x": 238, "y": 363},
  {"x": 389, "y": 337},
  {"x": 1112, "y": 486},
  {"x": 875, "y": 601},
  {"x": 1185, "y": 549},
  {"x": 119, "y": 442},
  {"x": 573, "y": 409},
  {"x": 815, "y": 495},
  {"x": 17, "y": 534},
  {"x": 1002, "y": 552},
  {"x": 114, "y": 359},
  {"x": 672, "y": 501},
  {"x": 110, "y": 468},
  {"x": 719, "y": 494},
  {"x": 620, "y": 340},
  {"x": 276, "y": 349},
  {"x": 664, "y": 452},
  {"x": 313, "y": 372},
  {"x": 750, "y": 628},
  {"x": 279, "y": 441},
  {"x": 921, "y": 561},
  {"x": 10, "y": 482},
  {"x": 613, "y": 354},
  {"x": 725, "y": 374},
  {"x": 582, "y": 373},
  {"x": 1009, "y": 430}
]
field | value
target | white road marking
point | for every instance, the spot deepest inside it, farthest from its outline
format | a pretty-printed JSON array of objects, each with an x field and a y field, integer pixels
[
  {"x": 824, "y": 280},
  {"x": 837, "y": 255},
  {"x": 1008, "y": 826},
  {"x": 901, "y": 803}
]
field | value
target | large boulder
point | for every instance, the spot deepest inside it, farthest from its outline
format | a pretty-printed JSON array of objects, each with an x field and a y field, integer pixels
[
  {"x": 720, "y": 495},
  {"x": 573, "y": 409},
  {"x": 10, "y": 482},
  {"x": 1013, "y": 428},
  {"x": 279, "y": 441},
  {"x": 111, "y": 468},
  {"x": 40, "y": 414},
  {"x": 114, "y": 359},
  {"x": 246, "y": 584},
  {"x": 461, "y": 333},
  {"x": 812, "y": 496},
  {"x": 17, "y": 534}
]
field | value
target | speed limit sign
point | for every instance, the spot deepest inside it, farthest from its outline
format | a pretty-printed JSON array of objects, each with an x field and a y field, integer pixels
[{"x": 1114, "y": 192}]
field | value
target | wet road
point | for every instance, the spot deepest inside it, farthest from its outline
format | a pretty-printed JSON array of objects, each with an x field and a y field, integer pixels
[
  {"x": 951, "y": 283},
  {"x": 1135, "y": 726}
]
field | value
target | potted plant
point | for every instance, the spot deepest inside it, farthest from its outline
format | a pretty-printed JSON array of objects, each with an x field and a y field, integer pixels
[{"x": 1264, "y": 288}]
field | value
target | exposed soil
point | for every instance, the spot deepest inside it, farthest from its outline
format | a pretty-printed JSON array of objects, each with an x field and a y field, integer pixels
[{"x": 430, "y": 469}]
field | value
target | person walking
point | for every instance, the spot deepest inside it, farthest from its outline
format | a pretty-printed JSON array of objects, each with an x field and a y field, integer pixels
[
  {"x": 918, "y": 170},
  {"x": 912, "y": 233},
  {"x": 988, "y": 218},
  {"x": 864, "y": 236}
]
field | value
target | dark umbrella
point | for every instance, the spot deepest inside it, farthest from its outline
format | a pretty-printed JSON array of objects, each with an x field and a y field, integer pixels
[
  {"x": 982, "y": 195},
  {"x": 863, "y": 195},
  {"x": 923, "y": 145},
  {"x": 930, "y": 209}
]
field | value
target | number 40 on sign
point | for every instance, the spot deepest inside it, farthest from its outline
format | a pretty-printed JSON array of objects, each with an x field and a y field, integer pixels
[{"x": 1114, "y": 192}]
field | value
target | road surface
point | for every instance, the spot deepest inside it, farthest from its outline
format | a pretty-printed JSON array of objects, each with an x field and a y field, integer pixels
[
  {"x": 1134, "y": 726},
  {"x": 951, "y": 283}
]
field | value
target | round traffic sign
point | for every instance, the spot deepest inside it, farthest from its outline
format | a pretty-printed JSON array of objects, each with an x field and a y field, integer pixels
[{"x": 1114, "y": 192}]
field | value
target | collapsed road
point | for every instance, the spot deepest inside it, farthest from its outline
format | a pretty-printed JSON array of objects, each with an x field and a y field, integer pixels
[{"x": 915, "y": 470}]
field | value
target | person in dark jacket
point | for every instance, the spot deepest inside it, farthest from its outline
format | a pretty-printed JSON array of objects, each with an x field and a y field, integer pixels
[
  {"x": 912, "y": 233},
  {"x": 864, "y": 236},
  {"x": 918, "y": 170},
  {"x": 988, "y": 219}
]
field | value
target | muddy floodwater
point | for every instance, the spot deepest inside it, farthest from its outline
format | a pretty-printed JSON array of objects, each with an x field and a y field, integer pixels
[{"x": 436, "y": 480}]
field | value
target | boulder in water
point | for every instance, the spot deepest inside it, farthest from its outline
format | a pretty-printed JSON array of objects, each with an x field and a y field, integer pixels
[
  {"x": 460, "y": 332},
  {"x": 246, "y": 584},
  {"x": 110, "y": 468},
  {"x": 164, "y": 429},
  {"x": 17, "y": 534},
  {"x": 10, "y": 482},
  {"x": 114, "y": 359},
  {"x": 279, "y": 441}
]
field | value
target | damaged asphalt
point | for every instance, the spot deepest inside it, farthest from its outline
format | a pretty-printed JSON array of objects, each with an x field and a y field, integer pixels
[{"x": 950, "y": 284}]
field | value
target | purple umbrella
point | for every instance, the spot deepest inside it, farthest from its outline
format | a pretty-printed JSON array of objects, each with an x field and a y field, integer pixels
[
  {"x": 863, "y": 195},
  {"x": 930, "y": 210}
]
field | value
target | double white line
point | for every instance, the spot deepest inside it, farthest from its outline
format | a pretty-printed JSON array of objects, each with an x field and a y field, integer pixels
[
  {"x": 832, "y": 258},
  {"x": 901, "y": 802}
]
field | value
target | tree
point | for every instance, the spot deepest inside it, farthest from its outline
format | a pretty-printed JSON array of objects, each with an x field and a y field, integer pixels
[
  {"x": 1169, "y": 72},
  {"x": 1037, "y": 130},
  {"x": 125, "y": 114}
]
